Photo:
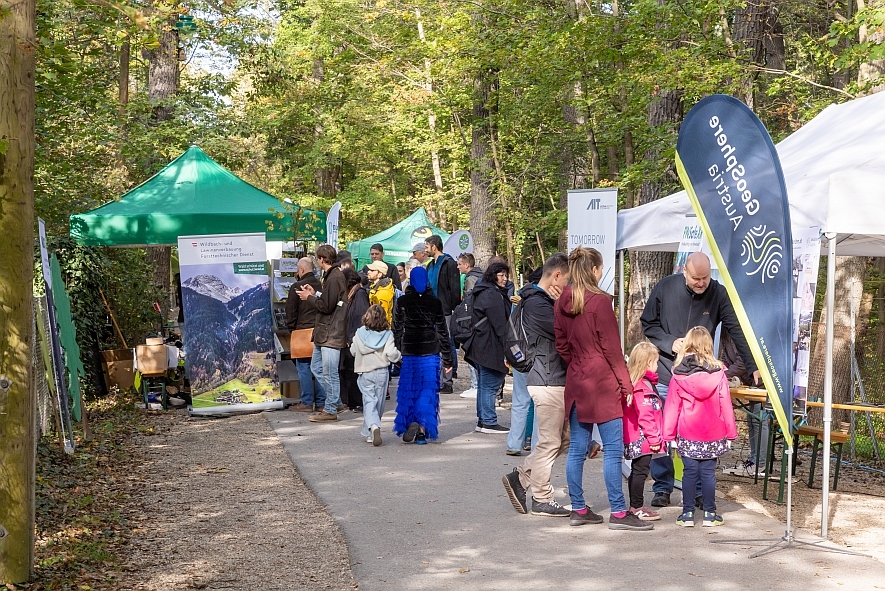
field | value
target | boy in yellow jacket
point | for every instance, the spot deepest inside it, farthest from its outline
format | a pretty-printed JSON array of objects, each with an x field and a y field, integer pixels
[{"x": 381, "y": 289}]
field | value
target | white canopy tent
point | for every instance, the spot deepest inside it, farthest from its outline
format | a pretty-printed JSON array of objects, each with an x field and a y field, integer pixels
[{"x": 834, "y": 168}]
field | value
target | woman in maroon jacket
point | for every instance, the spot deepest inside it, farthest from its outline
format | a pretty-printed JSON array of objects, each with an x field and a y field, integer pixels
[{"x": 596, "y": 381}]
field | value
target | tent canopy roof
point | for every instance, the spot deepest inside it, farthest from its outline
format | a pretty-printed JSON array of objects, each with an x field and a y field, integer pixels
[
  {"x": 192, "y": 195},
  {"x": 834, "y": 168},
  {"x": 399, "y": 239}
]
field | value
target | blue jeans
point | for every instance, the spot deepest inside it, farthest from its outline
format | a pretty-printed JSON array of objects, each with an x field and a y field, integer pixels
[
  {"x": 373, "y": 385},
  {"x": 705, "y": 471},
  {"x": 324, "y": 365},
  {"x": 663, "y": 471},
  {"x": 310, "y": 395},
  {"x": 489, "y": 383},
  {"x": 612, "y": 434},
  {"x": 519, "y": 411}
]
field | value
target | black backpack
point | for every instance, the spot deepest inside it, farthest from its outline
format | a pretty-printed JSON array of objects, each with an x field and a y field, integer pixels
[
  {"x": 462, "y": 324},
  {"x": 520, "y": 354}
]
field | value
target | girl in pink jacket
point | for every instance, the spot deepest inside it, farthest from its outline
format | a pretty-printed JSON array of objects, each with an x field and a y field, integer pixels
[
  {"x": 699, "y": 417},
  {"x": 643, "y": 425}
]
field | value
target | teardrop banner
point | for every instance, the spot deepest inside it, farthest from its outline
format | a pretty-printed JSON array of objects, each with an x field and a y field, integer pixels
[{"x": 731, "y": 172}]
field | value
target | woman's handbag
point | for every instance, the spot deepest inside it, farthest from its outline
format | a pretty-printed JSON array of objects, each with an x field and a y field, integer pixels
[{"x": 301, "y": 343}]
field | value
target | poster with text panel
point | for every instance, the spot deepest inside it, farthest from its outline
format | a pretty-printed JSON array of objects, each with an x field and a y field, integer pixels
[
  {"x": 593, "y": 223},
  {"x": 228, "y": 335}
]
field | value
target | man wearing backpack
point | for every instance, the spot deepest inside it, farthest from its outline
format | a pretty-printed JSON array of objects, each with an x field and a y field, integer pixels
[
  {"x": 546, "y": 385},
  {"x": 445, "y": 281}
]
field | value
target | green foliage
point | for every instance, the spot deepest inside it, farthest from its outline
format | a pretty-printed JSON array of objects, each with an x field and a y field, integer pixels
[{"x": 124, "y": 279}]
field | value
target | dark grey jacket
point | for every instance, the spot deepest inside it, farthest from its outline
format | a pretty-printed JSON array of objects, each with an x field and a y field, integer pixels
[
  {"x": 486, "y": 345},
  {"x": 672, "y": 309},
  {"x": 537, "y": 319}
]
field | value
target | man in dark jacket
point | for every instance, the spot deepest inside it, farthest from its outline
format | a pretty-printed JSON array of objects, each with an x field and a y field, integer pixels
[
  {"x": 485, "y": 347},
  {"x": 376, "y": 253},
  {"x": 301, "y": 315},
  {"x": 678, "y": 303},
  {"x": 445, "y": 281},
  {"x": 546, "y": 385},
  {"x": 330, "y": 332}
]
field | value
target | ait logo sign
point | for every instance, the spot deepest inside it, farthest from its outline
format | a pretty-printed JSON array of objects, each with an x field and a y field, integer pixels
[
  {"x": 763, "y": 253},
  {"x": 593, "y": 204},
  {"x": 733, "y": 177}
]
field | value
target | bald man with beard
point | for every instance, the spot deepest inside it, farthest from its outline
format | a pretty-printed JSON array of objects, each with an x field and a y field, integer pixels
[
  {"x": 303, "y": 314},
  {"x": 678, "y": 303}
]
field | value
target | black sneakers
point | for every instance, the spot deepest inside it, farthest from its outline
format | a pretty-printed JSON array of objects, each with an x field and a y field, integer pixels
[
  {"x": 575, "y": 518},
  {"x": 661, "y": 500},
  {"x": 409, "y": 435},
  {"x": 446, "y": 389},
  {"x": 493, "y": 429},
  {"x": 629, "y": 522},
  {"x": 515, "y": 491},
  {"x": 551, "y": 509}
]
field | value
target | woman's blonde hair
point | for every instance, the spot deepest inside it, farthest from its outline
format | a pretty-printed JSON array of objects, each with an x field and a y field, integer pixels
[
  {"x": 581, "y": 262},
  {"x": 699, "y": 342},
  {"x": 640, "y": 357}
]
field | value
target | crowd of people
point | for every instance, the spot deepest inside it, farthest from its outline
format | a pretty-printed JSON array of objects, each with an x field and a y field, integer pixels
[{"x": 572, "y": 379}]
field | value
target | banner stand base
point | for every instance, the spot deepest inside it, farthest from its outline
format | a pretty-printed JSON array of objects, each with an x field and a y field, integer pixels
[{"x": 789, "y": 541}]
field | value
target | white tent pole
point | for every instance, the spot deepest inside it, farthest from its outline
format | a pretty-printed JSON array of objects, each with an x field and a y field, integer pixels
[
  {"x": 828, "y": 382},
  {"x": 621, "y": 302}
]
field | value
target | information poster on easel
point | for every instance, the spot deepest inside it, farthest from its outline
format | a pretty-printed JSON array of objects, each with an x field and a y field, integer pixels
[{"x": 228, "y": 336}]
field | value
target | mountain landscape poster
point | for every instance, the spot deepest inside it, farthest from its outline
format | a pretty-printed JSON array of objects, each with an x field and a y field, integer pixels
[{"x": 228, "y": 337}]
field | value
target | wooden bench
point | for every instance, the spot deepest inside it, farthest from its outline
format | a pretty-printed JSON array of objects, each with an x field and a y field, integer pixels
[{"x": 837, "y": 439}]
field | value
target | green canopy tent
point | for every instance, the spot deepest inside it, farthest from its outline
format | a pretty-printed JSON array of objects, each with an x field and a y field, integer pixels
[
  {"x": 193, "y": 195},
  {"x": 397, "y": 240}
]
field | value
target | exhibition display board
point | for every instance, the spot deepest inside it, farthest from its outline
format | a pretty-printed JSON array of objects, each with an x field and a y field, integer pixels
[{"x": 228, "y": 336}]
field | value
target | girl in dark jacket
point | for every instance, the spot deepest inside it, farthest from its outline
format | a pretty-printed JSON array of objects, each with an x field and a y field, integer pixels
[
  {"x": 596, "y": 382},
  {"x": 419, "y": 329},
  {"x": 485, "y": 349},
  {"x": 357, "y": 304}
]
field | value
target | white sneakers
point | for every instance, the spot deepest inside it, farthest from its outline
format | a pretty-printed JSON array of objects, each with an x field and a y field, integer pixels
[{"x": 469, "y": 393}]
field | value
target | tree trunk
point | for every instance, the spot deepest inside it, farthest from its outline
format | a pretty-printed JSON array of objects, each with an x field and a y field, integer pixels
[
  {"x": 848, "y": 270},
  {"x": 482, "y": 202},
  {"x": 431, "y": 122},
  {"x": 647, "y": 268},
  {"x": 162, "y": 84},
  {"x": 872, "y": 72},
  {"x": 17, "y": 454},
  {"x": 749, "y": 30},
  {"x": 573, "y": 171}
]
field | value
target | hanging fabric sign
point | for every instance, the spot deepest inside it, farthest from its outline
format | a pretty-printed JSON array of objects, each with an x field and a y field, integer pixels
[{"x": 733, "y": 177}]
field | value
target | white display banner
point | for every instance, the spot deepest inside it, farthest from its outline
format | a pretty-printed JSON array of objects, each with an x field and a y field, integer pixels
[
  {"x": 458, "y": 243},
  {"x": 228, "y": 336},
  {"x": 332, "y": 225},
  {"x": 806, "y": 261},
  {"x": 593, "y": 223},
  {"x": 693, "y": 241}
]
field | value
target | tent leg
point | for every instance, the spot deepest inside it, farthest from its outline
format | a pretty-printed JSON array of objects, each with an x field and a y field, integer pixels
[{"x": 828, "y": 382}]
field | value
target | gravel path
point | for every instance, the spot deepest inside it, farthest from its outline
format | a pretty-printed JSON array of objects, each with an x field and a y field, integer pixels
[{"x": 223, "y": 508}]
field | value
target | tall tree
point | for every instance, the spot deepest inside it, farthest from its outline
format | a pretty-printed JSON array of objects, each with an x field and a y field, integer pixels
[
  {"x": 17, "y": 70},
  {"x": 482, "y": 200},
  {"x": 163, "y": 77},
  {"x": 647, "y": 268}
]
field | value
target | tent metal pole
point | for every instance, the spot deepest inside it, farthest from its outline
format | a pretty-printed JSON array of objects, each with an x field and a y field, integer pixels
[
  {"x": 621, "y": 298},
  {"x": 828, "y": 382}
]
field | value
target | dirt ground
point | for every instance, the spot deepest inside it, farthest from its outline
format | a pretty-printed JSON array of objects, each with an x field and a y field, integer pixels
[
  {"x": 222, "y": 507},
  {"x": 857, "y": 508}
]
